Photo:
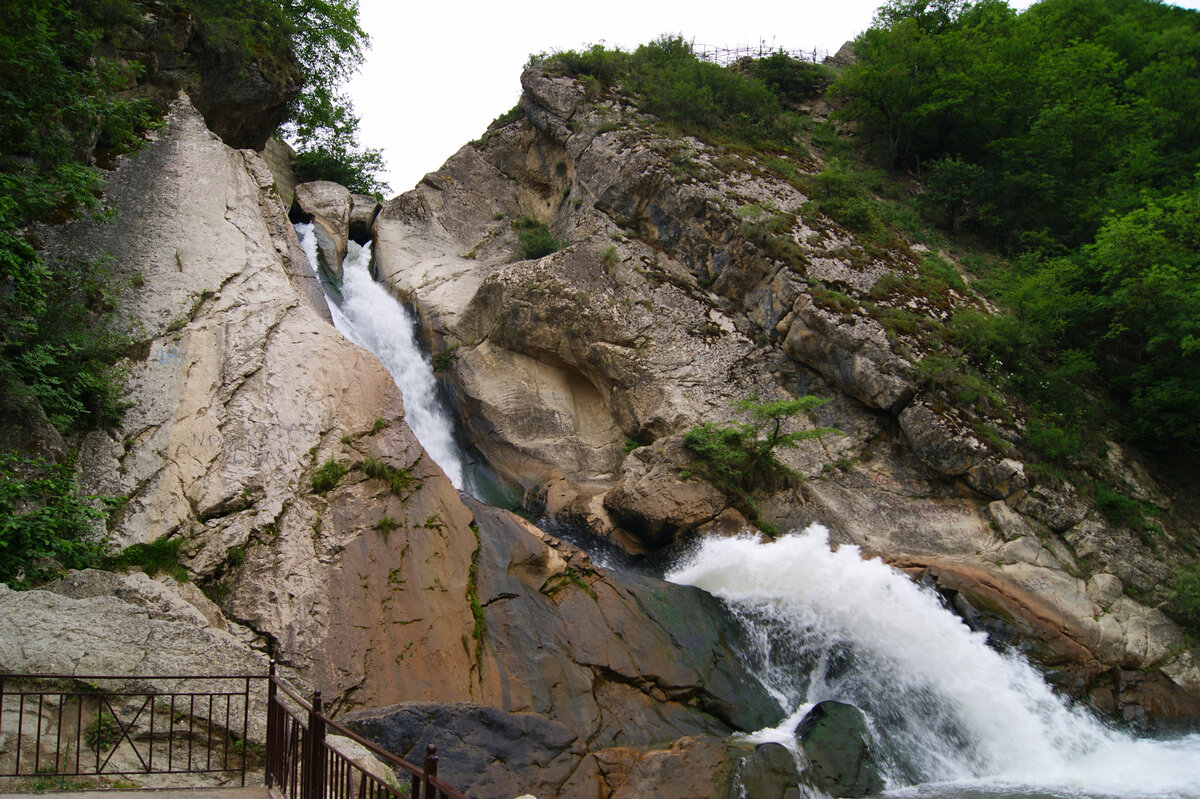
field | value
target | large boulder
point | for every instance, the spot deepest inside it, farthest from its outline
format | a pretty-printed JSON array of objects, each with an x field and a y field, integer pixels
[
  {"x": 855, "y": 356},
  {"x": 328, "y": 206},
  {"x": 653, "y": 502},
  {"x": 363, "y": 210},
  {"x": 837, "y": 744}
]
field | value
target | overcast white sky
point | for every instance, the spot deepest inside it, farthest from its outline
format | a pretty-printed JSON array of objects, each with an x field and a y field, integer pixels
[{"x": 439, "y": 71}]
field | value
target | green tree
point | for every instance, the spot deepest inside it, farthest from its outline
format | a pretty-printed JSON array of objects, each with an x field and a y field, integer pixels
[
  {"x": 330, "y": 45},
  {"x": 45, "y": 526},
  {"x": 740, "y": 458}
]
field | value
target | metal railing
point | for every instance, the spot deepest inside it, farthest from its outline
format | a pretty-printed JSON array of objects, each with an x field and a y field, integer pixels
[
  {"x": 302, "y": 763},
  {"x": 725, "y": 56},
  {"x": 66, "y": 725},
  {"x": 71, "y": 726}
]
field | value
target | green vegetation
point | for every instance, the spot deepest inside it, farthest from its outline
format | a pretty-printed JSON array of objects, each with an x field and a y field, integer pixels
[
  {"x": 103, "y": 733},
  {"x": 157, "y": 556},
  {"x": 570, "y": 576},
  {"x": 667, "y": 79},
  {"x": 1183, "y": 603},
  {"x": 402, "y": 482},
  {"x": 385, "y": 526},
  {"x": 740, "y": 458},
  {"x": 326, "y": 478},
  {"x": 480, "y": 628},
  {"x": 1069, "y": 136},
  {"x": 61, "y": 114},
  {"x": 445, "y": 359},
  {"x": 46, "y": 527},
  {"x": 329, "y": 44},
  {"x": 534, "y": 239}
]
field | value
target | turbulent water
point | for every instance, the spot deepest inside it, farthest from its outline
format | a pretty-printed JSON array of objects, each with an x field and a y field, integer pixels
[
  {"x": 951, "y": 716},
  {"x": 372, "y": 318}
]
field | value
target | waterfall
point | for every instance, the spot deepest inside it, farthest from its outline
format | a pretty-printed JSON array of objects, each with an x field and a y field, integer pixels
[
  {"x": 372, "y": 318},
  {"x": 944, "y": 707}
]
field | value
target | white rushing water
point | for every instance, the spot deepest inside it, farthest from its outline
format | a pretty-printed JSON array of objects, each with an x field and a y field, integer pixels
[
  {"x": 372, "y": 318},
  {"x": 951, "y": 715}
]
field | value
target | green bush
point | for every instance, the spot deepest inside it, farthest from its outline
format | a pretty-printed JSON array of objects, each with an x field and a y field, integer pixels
[
  {"x": 343, "y": 161},
  {"x": 103, "y": 733},
  {"x": 667, "y": 79},
  {"x": 402, "y": 482},
  {"x": 326, "y": 478},
  {"x": 46, "y": 526},
  {"x": 534, "y": 239},
  {"x": 790, "y": 79},
  {"x": 157, "y": 556},
  {"x": 1183, "y": 603}
]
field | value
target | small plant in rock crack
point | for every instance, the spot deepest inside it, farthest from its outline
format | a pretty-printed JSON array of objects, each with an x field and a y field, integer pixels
[{"x": 103, "y": 733}]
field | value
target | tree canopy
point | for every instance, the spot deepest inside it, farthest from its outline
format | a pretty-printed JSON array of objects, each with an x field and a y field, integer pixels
[{"x": 1069, "y": 136}]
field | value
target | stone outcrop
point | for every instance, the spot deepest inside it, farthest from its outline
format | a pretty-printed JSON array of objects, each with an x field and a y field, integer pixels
[
  {"x": 620, "y": 658},
  {"x": 669, "y": 304},
  {"x": 363, "y": 210},
  {"x": 837, "y": 745},
  {"x": 243, "y": 391},
  {"x": 243, "y": 100},
  {"x": 328, "y": 206},
  {"x": 1086, "y": 636}
]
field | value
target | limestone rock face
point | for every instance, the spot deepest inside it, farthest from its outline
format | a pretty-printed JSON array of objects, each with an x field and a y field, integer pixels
[
  {"x": 618, "y": 658},
  {"x": 945, "y": 446},
  {"x": 102, "y": 623},
  {"x": 855, "y": 357},
  {"x": 244, "y": 392}
]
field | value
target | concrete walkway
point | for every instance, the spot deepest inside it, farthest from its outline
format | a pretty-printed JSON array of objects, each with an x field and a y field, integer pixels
[{"x": 249, "y": 792}]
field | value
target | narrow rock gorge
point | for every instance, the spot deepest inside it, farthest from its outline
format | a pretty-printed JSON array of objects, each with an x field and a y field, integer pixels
[{"x": 323, "y": 536}]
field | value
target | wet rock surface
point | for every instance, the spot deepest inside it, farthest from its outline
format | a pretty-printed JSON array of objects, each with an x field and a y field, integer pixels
[{"x": 836, "y": 742}]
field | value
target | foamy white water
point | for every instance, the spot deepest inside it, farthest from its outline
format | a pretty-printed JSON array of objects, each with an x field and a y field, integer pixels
[
  {"x": 372, "y": 318},
  {"x": 944, "y": 707}
]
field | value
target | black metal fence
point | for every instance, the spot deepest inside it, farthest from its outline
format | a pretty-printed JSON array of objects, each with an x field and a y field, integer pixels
[
  {"x": 74, "y": 726},
  {"x": 302, "y": 763},
  {"x": 731, "y": 55},
  {"x": 99, "y": 726}
]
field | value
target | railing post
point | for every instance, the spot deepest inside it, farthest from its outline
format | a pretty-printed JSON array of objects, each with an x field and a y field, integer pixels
[
  {"x": 314, "y": 754},
  {"x": 430, "y": 769},
  {"x": 273, "y": 731}
]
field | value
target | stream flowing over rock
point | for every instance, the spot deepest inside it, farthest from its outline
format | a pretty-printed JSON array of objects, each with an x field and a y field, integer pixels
[{"x": 663, "y": 311}]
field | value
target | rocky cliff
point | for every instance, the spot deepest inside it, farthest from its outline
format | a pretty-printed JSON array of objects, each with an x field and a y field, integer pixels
[
  {"x": 695, "y": 277},
  {"x": 277, "y": 453}
]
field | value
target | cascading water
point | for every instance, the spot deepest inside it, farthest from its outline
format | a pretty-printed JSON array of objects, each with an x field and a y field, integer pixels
[
  {"x": 372, "y": 318},
  {"x": 952, "y": 717}
]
